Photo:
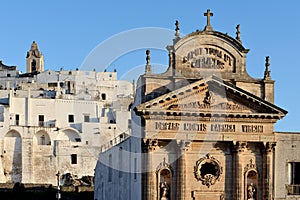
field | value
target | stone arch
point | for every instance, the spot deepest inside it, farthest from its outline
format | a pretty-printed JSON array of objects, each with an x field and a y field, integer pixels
[
  {"x": 12, "y": 156},
  {"x": 41, "y": 138},
  {"x": 69, "y": 135}
]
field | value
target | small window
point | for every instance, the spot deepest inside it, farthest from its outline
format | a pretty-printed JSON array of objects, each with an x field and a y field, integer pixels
[
  {"x": 17, "y": 118},
  {"x": 41, "y": 120},
  {"x": 129, "y": 123},
  {"x": 8, "y": 75},
  {"x": 135, "y": 168},
  {"x": 110, "y": 168},
  {"x": 103, "y": 96},
  {"x": 74, "y": 159},
  {"x": 77, "y": 139},
  {"x": 86, "y": 118},
  {"x": 71, "y": 119}
]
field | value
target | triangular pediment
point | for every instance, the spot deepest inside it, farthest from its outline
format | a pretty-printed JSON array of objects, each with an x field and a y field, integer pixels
[{"x": 211, "y": 97}]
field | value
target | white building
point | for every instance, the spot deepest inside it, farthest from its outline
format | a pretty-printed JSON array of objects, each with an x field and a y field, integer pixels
[{"x": 54, "y": 121}]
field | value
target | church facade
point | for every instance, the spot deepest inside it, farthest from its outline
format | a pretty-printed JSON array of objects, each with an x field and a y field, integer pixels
[{"x": 204, "y": 129}]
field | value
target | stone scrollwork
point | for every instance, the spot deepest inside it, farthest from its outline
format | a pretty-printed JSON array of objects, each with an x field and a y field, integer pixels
[{"x": 208, "y": 170}]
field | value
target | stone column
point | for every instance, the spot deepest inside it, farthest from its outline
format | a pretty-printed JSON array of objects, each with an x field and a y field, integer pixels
[
  {"x": 149, "y": 146},
  {"x": 238, "y": 149},
  {"x": 181, "y": 170},
  {"x": 267, "y": 170}
]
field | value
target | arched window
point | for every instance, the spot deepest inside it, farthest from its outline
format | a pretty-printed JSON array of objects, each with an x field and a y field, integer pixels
[{"x": 33, "y": 66}]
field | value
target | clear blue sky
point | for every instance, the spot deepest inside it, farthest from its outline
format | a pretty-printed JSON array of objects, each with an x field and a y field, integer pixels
[{"x": 67, "y": 31}]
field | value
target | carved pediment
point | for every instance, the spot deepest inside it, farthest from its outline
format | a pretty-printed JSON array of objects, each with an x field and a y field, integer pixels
[{"x": 211, "y": 96}]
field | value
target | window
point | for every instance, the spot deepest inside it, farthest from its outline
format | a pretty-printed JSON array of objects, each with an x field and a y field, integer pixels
[
  {"x": 74, "y": 159},
  {"x": 17, "y": 118},
  {"x": 103, "y": 96},
  {"x": 71, "y": 119},
  {"x": 129, "y": 123},
  {"x": 41, "y": 120},
  {"x": 294, "y": 187},
  {"x": 86, "y": 118},
  {"x": 110, "y": 168},
  {"x": 43, "y": 140},
  {"x": 8, "y": 75},
  {"x": 54, "y": 84},
  {"x": 135, "y": 168}
]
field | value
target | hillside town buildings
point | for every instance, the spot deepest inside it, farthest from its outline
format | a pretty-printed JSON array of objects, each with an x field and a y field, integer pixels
[{"x": 58, "y": 121}]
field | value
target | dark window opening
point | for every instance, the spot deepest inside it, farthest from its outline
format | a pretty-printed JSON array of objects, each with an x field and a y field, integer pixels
[
  {"x": 8, "y": 75},
  {"x": 110, "y": 168},
  {"x": 295, "y": 175},
  {"x": 74, "y": 159},
  {"x": 17, "y": 117},
  {"x": 33, "y": 66},
  {"x": 209, "y": 168},
  {"x": 71, "y": 119},
  {"x": 103, "y": 96},
  {"x": 86, "y": 118},
  {"x": 41, "y": 120},
  {"x": 78, "y": 139}
]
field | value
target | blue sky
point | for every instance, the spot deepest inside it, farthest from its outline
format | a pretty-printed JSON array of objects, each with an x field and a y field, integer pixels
[{"x": 68, "y": 31}]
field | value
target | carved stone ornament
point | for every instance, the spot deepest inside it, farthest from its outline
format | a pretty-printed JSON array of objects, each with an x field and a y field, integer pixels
[
  {"x": 164, "y": 165},
  {"x": 208, "y": 170},
  {"x": 250, "y": 166}
]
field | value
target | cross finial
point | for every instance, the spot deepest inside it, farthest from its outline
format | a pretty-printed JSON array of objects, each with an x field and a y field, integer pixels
[
  {"x": 208, "y": 14},
  {"x": 238, "y": 33},
  {"x": 267, "y": 75}
]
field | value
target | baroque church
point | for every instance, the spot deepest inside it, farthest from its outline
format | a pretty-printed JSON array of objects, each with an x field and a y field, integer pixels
[{"x": 204, "y": 129}]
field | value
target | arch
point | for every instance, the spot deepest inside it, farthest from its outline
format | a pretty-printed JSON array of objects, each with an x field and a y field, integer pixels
[
  {"x": 251, "y": 183},
  {"x": 12, "y": 156},
  {"x": 164, "y": 174},
  {"x": 41, "y": 138},
  {"x": 69, "y": 135},
  {"x": 12, "y": 133}
]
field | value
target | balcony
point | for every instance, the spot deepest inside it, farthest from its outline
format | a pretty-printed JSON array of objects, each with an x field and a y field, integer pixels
[{"x": 293, "y": 189}]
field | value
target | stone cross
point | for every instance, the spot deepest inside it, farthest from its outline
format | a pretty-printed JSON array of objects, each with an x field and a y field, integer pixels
[{"x": 208, "y": 14}]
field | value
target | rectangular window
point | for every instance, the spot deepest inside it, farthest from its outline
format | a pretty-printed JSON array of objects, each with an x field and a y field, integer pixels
[
  {"x": 135, "y": 168},
  {"x": 41, "y": 120},
  {"x": 110, "y": 168},
  {"x": 129, "y": 123},
  {"x": 295, "y": 175},
  {"x": 294, "y": 187},
  {"x": 74, "y": 159},
  {"x": 52, "y": 84},
  {"x": 17, "y": 118},
  {"x": 71, "y": 119},
  {"x": 86, "y": 118}
]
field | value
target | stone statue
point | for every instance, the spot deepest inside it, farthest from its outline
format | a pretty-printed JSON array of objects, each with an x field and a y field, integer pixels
[
  {"x": 250, "y": 192},
  {"x": 164, "y": 191}
]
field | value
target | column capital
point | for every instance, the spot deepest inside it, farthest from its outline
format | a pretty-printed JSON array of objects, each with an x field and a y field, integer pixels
[
  {"x": 239, "y": 146},
  {"x": 150, "y": 145},
  {"x": 184, "y": 145},
  {"x": 269, "y": 147}
]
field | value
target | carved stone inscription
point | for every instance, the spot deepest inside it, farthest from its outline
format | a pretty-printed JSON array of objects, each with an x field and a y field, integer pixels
[
  {"x": 208, "y": 127},
  {"x": 209, "y": 58}
]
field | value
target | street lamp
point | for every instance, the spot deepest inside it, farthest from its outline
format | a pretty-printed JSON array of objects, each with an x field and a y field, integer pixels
[{"x": 58, "y": 188}]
